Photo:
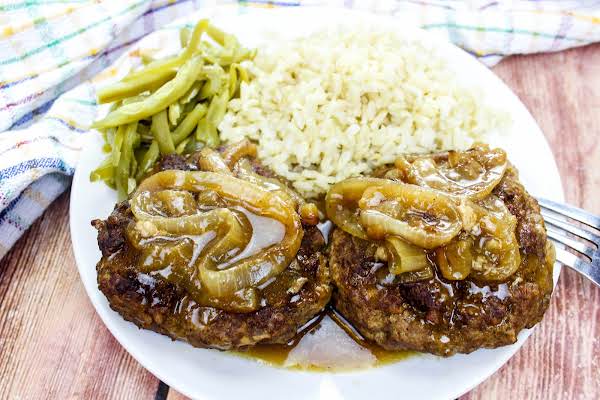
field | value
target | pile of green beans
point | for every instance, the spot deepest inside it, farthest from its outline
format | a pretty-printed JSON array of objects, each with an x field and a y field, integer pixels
[{"x": 156, "y": 109}]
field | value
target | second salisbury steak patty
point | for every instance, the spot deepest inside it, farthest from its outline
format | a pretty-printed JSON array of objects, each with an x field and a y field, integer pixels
[
  {"x": 478, "y": 289},
  {"x": 244, "y": 280}
]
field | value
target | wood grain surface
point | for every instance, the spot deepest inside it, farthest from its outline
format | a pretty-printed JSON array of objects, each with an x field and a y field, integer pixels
[{"x": 53, "y": 345}]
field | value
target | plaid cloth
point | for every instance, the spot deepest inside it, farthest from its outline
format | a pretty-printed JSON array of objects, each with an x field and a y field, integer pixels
[{"x": 49, "y": 51}]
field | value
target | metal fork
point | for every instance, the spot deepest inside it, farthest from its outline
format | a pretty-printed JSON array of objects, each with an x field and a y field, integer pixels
[{"x": 583, "y": 238}]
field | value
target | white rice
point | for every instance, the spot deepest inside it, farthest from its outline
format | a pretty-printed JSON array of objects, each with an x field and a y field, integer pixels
[{"x": 340, "y": 103}]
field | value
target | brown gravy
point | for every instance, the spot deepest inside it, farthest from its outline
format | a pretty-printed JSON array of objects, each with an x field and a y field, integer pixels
[{"x": 277, "y": 354}]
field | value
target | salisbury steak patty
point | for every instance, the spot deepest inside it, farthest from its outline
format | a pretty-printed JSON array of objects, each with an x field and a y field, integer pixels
[
  {"x": 153, "y": 302},
  {"x": 440, "y": 316}
]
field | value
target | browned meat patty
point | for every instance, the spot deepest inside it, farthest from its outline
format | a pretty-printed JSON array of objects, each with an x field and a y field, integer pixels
[
  {"x": 152, "y": 302},
  {"x": 440, "y": 316}
]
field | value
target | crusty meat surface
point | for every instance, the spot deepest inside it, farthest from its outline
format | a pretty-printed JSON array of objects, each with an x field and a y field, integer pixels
[
  {"x": 446, "y": 317},
  {"x": 152, "y": 302}
]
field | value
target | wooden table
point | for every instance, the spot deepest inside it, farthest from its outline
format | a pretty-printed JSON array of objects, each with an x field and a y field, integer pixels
[{"x": 53, "y": 345}]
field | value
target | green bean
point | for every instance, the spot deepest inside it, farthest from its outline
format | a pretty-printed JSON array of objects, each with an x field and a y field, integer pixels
[
  {"x": 154, "y": 74},
  {"x": 174, "y": 112},
  {"x": 134, "y": 99},
  {"x": 159, "y": 100},
  {"x": 217, "y": 108},
  {"x": 124, "y": 89},
  {"x": 215, "y": 76},
  {"x": 191, "y": 93},
  {"x": 157, "y": 108},
  {"x": 192, "y": 145},
  {"x": 210, "y": 53},
  {"x": 173, "y": 62},
  {"x": 184, "y": 36},
  {"x": 105, "y": 172},
  {"x": 207, "y": 127},
  {"x": 143, "y": 129},
  {"x": 137, "y": 140},
  {"x": 109, "y": 138},
  {"x": 184, "y": 111},
  {"x": 123, "y": 168},
  {"x": 233, "y": 83},
  {"x": 139, "y": 157},
  {"x": 147, "y": 59},
  {"x": 205, "y": 135},
  {"x": 109, "y": 134},
  {"x": 233, "y": 53},
  {"x": 242, "y": 71},
  {"x": 116, "y": 147},
  {"x": 189, "y": 123},
  {"x": 134, "y": 165},
  {"x": 181, "y": 146},
  {"x": 229, "y": 51},
  {"x": 160, "y": 130},
  {"x": 145, "y": 133},
  {"x": 148, "y": 160},
  {"x": 216, "y": 34},
  {"x": 115, "y": 105},
  {"x": 188, "y": 107},
  {"x": 163, "y": 64}
]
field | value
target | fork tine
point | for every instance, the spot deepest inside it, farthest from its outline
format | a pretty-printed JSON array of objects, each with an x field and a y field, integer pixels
[
  {"x": 564, "y": 257},
  {"x": 574, "y": 244},
  {"x": 572, "y": 212},
  {"x": 554, "y": 222},
  {"x": 577, "y": 264}
]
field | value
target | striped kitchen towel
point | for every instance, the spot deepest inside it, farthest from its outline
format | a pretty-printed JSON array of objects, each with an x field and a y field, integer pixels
[{"x": 50, "y": 51}]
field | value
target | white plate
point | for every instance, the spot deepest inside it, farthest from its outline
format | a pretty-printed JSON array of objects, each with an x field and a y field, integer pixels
[{"x": 209, "y": 374}]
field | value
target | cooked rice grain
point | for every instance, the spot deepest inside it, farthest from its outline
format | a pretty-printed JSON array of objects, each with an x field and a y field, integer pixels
[{"x": 340, "y": 103}]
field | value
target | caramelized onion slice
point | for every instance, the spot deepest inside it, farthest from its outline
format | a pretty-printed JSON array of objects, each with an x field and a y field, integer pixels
[
  {"x": 195, "y": 224},
  {"x": 371, "y": 208},
  {"x": 177, "y": 203},
  {"x": 243, "y": 170},
  {"x": 341, "y": 203},
  {"x": 496, "y": 251},
  {"x": 247, "y": 272},
  {"x": 244, "y": 300},
  {"x": 211, "y": 161},
  {"x": 168, "y": 202},
  {"x": 237, "y": 191},
  {"x": 404, "y": 257},
  {"x": 489, "y": 251},
  {"x": 473, "y": 173},
  {"x": 421, "y": 216},
  {"x": 456, "y": 258},
  {"x": 164, "y": 251},
  {"x": 235, "y": 152},
  {"x": 309, "y": 213}
]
